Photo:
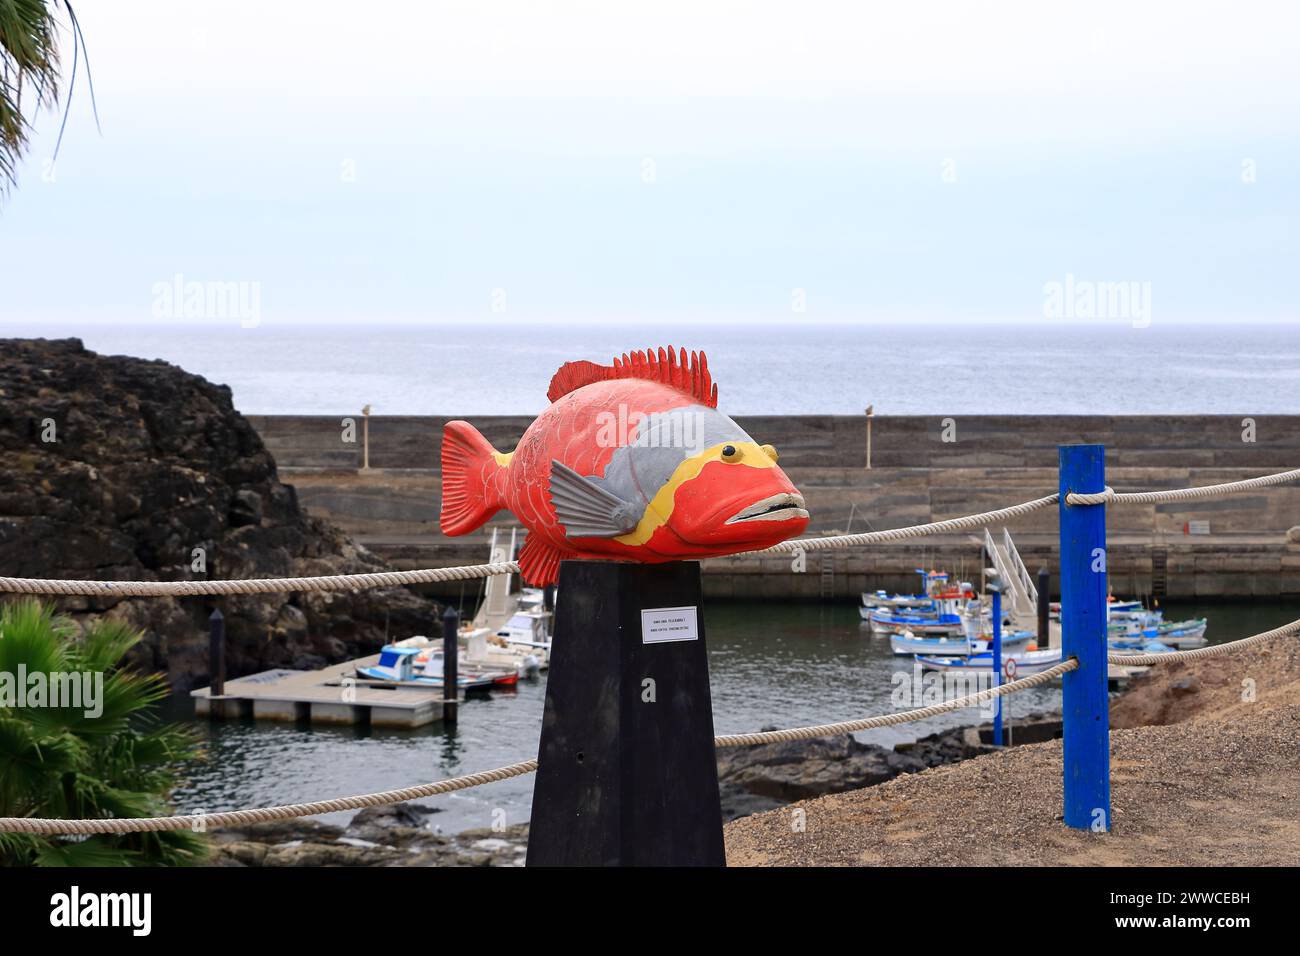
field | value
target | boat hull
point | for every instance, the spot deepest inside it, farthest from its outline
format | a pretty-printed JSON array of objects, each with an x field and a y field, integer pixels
[
  {"x": 902, "y": 644},
  {"x": 1027, "y": 662}
]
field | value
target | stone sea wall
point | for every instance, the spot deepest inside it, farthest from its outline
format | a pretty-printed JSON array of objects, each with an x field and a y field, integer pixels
[{"x": 923, "y": 469}]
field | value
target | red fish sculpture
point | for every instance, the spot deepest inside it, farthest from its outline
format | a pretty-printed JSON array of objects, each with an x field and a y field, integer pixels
[{"x": 631, "y": 461}]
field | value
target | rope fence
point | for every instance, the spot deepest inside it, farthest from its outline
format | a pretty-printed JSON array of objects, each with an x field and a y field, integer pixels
[
  {"x": 889, "y": 720},
  {"x": 392, "y": 579},
  {"x": 191, "y": 821},
  {"x": 329, "y": 582},
  {"x": 389, "y": 579},
  {"x": 949, "y": 526},
  {"x": 60, "y": 827},
  {"x": 1111, "y": 496},
  {"x": 1141, "y": 660},
  {"x": 268, "y": 814}
]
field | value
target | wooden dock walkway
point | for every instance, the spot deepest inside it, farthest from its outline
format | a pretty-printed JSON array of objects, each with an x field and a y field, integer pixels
[{"x": 326, "y": 696}]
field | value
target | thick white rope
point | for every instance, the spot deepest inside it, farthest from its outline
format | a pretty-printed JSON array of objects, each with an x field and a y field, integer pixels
[
  {"x": 889, "y": 720},
  {"x": 214, "y": 821},
  {"x": 207, "y": 821},
  {"x": 330, "y": 582},
  {"x": 1110, "y": 496},
  {"x": 1139, "y": 660},
  {"x": 50, "y": 826},
  {"x": 390, "y": 579},
  {"x": 964, "y": 523}
]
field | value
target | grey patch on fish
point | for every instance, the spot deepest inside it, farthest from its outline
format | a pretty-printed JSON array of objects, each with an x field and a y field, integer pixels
[
  {"x": 612, "y": 505},
  {"x": 585, "y": 509},
  {"x": 663, "y": 440}
]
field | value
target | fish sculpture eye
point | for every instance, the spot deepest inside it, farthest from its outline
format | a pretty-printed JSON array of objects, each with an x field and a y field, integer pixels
[
  {"x": 770, "y": 452},
  {"x": 730, "y": 453}
]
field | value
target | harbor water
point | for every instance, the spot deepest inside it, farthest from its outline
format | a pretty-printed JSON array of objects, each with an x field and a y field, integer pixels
[{"x": 771, "y": 664}]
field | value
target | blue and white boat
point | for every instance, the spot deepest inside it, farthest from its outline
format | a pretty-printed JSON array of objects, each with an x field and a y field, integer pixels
[
  {"x": 1151, "y": 626},
  {"x": 1027, "y": 662},
  {"x": 413, "y": 665},
  {"x": 883, "y": 600},
  {"x": 922, "y": 625},
  {"x": 1182, "y": 634},
  {"x": 963, "y": 646},
  {"x": 938, "y": 597},
  {"x": 1143, "y": 645}
]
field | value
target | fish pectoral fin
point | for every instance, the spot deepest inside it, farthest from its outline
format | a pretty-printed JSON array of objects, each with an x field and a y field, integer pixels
[{"x": 587, "y": 510}]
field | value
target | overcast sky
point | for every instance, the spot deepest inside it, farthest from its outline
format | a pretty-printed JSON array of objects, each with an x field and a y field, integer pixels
[{"x": 667, "y": 161}]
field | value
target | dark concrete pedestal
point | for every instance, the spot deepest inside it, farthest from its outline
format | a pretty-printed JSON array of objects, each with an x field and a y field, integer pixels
[{"x": 626, "y": 769}]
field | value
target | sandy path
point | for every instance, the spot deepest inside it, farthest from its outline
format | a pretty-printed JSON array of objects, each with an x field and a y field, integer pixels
[{"x": 1219, "y": 787}]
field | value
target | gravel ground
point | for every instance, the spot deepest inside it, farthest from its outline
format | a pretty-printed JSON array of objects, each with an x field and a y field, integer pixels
[{"x": 1221, "y": 786}]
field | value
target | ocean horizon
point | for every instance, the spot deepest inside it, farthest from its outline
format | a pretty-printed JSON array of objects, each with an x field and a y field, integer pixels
[{"x": 500, "y": 368}]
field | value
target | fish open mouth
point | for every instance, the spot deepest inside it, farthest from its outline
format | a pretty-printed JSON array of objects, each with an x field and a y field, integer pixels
[{"x": 776, "y": 508}]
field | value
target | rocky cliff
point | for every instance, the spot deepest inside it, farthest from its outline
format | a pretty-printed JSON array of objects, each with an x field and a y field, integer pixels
[{"x": 119, "y": 468}]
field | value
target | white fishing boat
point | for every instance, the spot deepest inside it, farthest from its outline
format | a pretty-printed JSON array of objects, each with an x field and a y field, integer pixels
[
  {"x": 963, "y": 646},
  {"x": 511, "y": 629},
  {"x": 1151, "y": 625},
  {"x": 937, "y": 625},
  {"x": 527, "y": 628},
  {"x": 413, "y": 665},
  {"x": 901, "y": 602},
  {"x": 1027, "y": 661},
  {"x": 1129, "y": 620},
  {"x": 1182, "y": 634},
  {"x": 1129, "y": 647},
  {"x": 479, "y": 649},
  {"x": 937, "y": 597}
]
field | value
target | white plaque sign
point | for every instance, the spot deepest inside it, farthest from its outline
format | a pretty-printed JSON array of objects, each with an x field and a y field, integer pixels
[{"x": 661, "y": 624}]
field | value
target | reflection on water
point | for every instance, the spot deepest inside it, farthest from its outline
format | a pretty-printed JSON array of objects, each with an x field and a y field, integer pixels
[{"x": 770, "y": 664}]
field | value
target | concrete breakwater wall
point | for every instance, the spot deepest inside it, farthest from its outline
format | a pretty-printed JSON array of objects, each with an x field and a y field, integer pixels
[
  {"x": 840, "y": 441},
  {"x": 923, "y": 469}
]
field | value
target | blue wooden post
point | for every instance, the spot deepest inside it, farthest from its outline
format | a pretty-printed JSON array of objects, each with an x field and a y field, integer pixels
[
  {"x": 1085, "y": 710},
  {"x": 997, "y": 663}
]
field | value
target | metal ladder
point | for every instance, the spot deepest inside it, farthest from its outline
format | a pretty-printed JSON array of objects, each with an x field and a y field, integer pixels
[
  {"x": 1020, "y": 590},
  {"x": 828, "y": 577},
  {"x": 1159, "y": 572}
]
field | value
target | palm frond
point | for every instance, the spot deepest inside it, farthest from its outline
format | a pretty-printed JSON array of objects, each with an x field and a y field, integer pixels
[
  {"x": 58, "y": 762},
  {"x": 29, "y": 61}
]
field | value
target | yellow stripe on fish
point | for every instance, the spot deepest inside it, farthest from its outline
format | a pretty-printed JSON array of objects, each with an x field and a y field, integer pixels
[{"x": 660, "y": 508}]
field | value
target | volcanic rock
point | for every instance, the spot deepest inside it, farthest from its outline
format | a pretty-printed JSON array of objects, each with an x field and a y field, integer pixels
[{"x": 124, "y": 469}]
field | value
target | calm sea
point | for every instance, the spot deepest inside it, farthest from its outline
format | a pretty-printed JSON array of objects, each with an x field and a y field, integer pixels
[{"x": 493, "y": 368}]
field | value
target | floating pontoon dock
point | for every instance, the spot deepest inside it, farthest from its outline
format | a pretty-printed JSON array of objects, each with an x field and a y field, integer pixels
[{"x": 327, "y": 696}]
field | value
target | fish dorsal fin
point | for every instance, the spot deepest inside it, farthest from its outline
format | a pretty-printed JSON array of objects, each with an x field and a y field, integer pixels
[{"x": 686, "y": 372}]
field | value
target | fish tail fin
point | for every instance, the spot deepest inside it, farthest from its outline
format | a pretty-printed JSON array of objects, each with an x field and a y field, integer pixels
[{"x": 472, "y": 473}]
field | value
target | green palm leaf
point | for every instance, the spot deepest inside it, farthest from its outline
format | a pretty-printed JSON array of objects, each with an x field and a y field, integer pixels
[
  {"x": 29, "y": 71},
  {"x": 60, "y": 762}
]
